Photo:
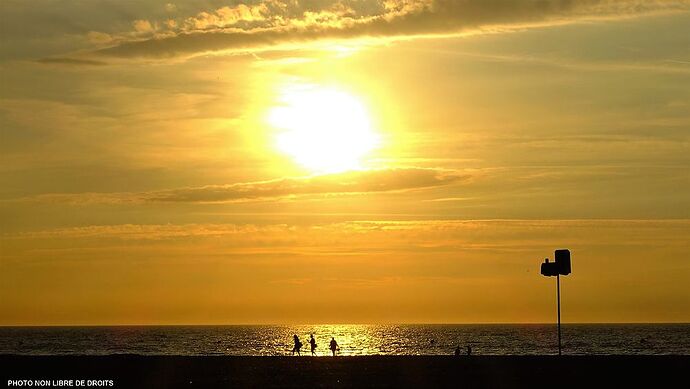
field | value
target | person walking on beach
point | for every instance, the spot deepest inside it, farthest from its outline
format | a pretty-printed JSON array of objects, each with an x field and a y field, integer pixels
[
  {"x": 457, "y": 351},
  {"x": 469, "y": 350},
  {"x": 333, "y": 346},
  {"x": 298, "y": 345},
  {"x": 312, "y": 344}
]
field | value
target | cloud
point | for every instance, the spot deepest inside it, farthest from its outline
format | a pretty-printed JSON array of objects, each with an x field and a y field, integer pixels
[
  {"x": 411, "y": 265},
  {"x": 368, "y": 181},
  {"x": 148, "y": 231},
  {"x": 272, "y": 23},
  {"x": 142, "y": 26},
  {"x": 66, "y": 61},
  {"x": 382, "y": 237}
]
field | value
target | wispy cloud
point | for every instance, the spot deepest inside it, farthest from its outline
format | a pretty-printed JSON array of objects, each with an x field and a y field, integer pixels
[
  {"x": 66, "y": 61},
  {"x": 272, "y": 23},
  {"x": 148, "y": 231},
  {"x": 411, "y": 264},
  {"x": 367, "y": 181},
  {"x": 388, "y": 235}
]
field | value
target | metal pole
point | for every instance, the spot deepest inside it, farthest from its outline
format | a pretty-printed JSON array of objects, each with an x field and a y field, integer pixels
[{"x": 558, "y": 292}]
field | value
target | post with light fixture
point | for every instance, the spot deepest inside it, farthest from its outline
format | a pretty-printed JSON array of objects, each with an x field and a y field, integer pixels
[{"x": 560, "y": 266}]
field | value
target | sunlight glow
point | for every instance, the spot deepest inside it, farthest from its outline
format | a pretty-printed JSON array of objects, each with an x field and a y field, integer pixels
[{"x": 325, "y": 130}]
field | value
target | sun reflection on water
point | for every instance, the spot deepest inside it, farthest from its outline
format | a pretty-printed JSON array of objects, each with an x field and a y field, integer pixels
[{"x": 353, "y": 339}]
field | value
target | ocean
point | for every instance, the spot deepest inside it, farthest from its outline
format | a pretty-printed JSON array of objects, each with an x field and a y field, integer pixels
[{"x": 264, "y": 340}]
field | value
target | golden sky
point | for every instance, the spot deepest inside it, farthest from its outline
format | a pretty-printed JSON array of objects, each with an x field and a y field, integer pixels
[{"x": 352, "y": 161}]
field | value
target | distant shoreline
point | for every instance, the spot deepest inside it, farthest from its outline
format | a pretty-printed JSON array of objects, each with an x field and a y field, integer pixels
[{"x": 137, "y": 371}]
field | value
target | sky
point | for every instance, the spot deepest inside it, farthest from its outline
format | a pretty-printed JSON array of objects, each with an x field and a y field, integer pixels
[{"x": 351, "y": 161}]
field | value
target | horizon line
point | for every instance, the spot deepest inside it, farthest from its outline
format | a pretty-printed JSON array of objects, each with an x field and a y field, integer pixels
[{"x": 342, "y": 324}]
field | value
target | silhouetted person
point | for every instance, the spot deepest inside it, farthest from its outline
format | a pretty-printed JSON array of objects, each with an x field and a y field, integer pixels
[
  {"x": 312, "y": 344},
  {"x": 469, "y": 350},
  {"x": 298, "y": 345},
  {"x": 457, "y": 351},
  {"x": 333, "y": 346}
]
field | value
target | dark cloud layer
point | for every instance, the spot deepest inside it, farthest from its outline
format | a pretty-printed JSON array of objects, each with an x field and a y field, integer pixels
[{"x": 274, "y": 22}]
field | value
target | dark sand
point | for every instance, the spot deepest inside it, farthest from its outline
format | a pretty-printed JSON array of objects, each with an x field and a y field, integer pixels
[{"x": 132, "y": 371}]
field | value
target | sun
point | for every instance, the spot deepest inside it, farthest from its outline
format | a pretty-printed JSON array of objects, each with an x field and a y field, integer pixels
[{"x": 326, "y": 130}]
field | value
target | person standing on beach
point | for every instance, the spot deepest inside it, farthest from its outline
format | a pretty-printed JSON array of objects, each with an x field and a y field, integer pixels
[
  {"x": 469, "y": 350},
  {"x": 457, "y": 351},
  {"x": 333, "y": 346},
  {"x": 298, "y": 345},
  {"x": 312, "y": 344}
]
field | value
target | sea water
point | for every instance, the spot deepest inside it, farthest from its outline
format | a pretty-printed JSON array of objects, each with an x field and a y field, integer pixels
[{"x": 356, "y": 339}]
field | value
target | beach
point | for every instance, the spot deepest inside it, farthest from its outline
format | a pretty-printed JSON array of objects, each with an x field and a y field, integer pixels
[{"x": 135, "y": 371}]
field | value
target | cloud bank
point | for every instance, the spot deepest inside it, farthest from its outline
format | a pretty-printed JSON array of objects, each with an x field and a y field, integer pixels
[
  {"x": 369, "y": 181},
  {"x": 271, "y": 23}
]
